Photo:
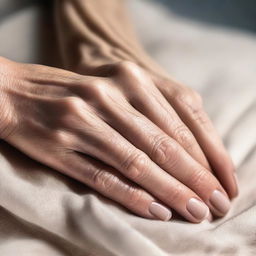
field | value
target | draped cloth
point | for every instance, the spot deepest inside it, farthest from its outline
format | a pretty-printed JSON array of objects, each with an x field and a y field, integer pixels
[{"x": 43, "y": 212}]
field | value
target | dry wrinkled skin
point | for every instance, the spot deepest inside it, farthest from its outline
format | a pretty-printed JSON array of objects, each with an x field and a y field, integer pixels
[{"x": 115, "y": 133}]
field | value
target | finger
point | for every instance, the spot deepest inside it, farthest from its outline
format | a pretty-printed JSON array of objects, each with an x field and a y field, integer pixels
[
  {"x": 108, "y": 182},
  {"x": 189, "y": 107},
  {"x": 114, "y": 150},
  {"x": 147, "y": 99},
  {"x": 168, "y": 154},
  {"x": 88, "y": 134}
]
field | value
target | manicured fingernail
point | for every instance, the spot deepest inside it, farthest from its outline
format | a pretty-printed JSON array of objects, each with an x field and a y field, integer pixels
[
  {"x": 160, "y": 211},
  {"x": 236, "y": 181},
  {"x": 197, "y": 209},
  {"x": 220, "y": 202}
]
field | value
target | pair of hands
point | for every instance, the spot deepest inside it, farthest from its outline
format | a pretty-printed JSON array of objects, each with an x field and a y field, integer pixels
[{"x": 138, "y": 139}]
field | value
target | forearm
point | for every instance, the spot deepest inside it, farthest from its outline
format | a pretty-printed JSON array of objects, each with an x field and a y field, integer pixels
[{"x": 97, "y": 32}]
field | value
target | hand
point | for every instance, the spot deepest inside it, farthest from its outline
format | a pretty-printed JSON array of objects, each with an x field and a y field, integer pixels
[{"x": 115, "y": 133}]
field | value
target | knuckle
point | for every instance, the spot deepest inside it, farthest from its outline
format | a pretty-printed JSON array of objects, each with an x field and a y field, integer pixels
[
  {"x": 60, "y": 136},
  {"x": 165, "y": 151},
  {"x": 97, "y": 89},
  {"x": 198, "y": 115},
  {"x": 184, "y": 136},
  {"x": 128, "y": 68},
  {"x": 69, "y": 110},
  {"x": 184, "y": 96},
  {"x": 72, "y": 103},
  {"x": 201, "y": 117},
  {"x": 190, "y": 98},
  {"x": 104, "y": 180},
  {"x": 176, "y": 195},
  {"x": 133, "y": 196},
  {"x": 135, "y": 166},
  {"x": 199, "y": 178},
  {"x": 97, "y": 85},
  {"x": 193, "y": 104},
  {"x": 104, "y": 98},
  {"x": 171, "y": 88}
]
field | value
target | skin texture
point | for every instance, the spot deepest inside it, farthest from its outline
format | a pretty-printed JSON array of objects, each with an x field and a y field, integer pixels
[
  {"x": 94, "y": 33},
  {"x": 118, "y": 123},
  {"x": 113, "y": 133}
]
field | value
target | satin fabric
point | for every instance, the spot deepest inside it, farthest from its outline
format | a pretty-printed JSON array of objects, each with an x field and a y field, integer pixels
[{"x": 45, "y": 213}]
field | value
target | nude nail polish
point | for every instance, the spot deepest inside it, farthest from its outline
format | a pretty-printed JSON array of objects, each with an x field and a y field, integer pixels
[
  {"x": 237, "y": 182},
  {"x": 160, "y": 211},
  {"x": 198, "y": 209},
  {"x": 220, "y": 202}
]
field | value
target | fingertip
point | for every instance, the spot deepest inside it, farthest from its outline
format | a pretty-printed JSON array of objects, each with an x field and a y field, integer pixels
[
  {"x": 233, "y": 186},
  {"x": 197, "y": 209},
  {"x": 220, "y": 203},
  {"x": 236, "y": 186},
  {"x": 160, "y": 212}
]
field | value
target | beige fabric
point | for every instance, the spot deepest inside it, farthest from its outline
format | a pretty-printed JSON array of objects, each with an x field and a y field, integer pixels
[{"x": 44, "y": 213}]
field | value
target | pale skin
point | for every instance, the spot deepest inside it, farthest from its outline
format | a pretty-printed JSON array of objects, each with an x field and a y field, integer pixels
[{"x": 130, "y": 133}]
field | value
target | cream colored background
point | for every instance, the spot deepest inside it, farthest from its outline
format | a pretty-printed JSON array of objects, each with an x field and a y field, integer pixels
[{"x": 45, "y": 213}]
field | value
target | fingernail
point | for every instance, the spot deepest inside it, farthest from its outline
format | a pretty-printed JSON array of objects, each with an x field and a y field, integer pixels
[
  {"x": 220, "y": 202},
  {"x": 236, "y": 181},
  {"x": 197, "y": 209},
  {"x": 160, "y": 211}
]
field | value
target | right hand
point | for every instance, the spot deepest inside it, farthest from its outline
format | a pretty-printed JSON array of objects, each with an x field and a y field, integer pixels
[{"x": 108, "y": 133}]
